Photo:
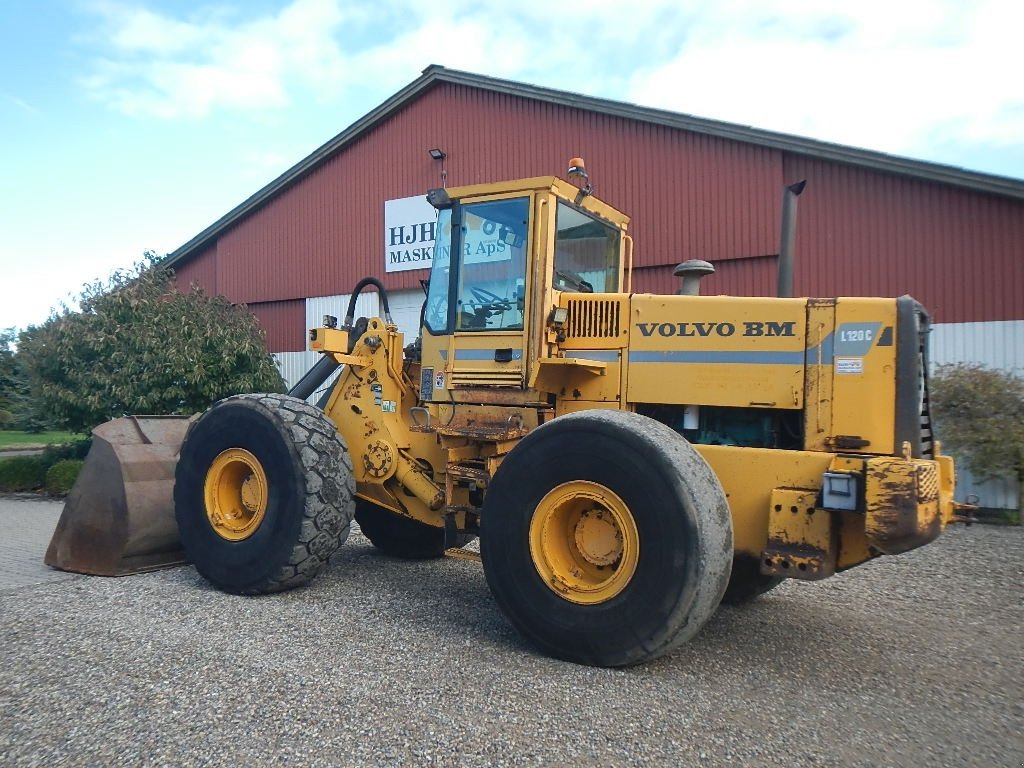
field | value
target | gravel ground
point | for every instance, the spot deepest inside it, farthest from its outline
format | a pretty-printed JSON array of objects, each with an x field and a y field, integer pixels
[{"x": 914, "y": 661}]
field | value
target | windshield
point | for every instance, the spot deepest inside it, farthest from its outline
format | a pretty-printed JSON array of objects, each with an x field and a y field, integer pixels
[
  {"x": 487, "y": 279},
  {"x": 586, "y": 253}
]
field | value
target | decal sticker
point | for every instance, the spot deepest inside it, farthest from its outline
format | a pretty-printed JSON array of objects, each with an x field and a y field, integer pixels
[
  {"x": 855, "y": 339},
  {"x": 439, "y": 380},
  {"x": 849, "y": 365},
  {"x": 377, "y": 388},
  {"x": 747, "y": 328},
  {"x": 388, "y": 406},
  {"x": 427, "y": 384}
]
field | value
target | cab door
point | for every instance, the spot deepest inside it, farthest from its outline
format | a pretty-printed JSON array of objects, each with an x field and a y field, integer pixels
[{"x": 476, "y": 317}]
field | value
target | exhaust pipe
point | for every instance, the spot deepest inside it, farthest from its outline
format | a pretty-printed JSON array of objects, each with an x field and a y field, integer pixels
[{"x": 788, "y": 238}]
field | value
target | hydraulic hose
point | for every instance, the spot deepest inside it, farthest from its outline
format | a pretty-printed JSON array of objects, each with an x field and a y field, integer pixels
[{"x": 350, "y": 314}]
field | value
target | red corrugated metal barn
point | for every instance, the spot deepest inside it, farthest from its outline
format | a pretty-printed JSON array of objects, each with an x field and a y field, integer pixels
[{"x": 868, "y": 223}]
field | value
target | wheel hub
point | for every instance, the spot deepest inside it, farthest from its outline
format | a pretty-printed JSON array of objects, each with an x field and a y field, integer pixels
[
  {"x": 584, "y": 542},
  {"x": 598, "y": 538},
  {"x": 235, "y": 494},
  {"x": 251, "y": 494}
]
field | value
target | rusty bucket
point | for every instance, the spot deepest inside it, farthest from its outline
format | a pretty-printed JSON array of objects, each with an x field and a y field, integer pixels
[{"x": 119, "y": 516}]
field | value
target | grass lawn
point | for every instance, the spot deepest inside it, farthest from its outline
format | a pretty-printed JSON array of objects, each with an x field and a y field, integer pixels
[{"x": 22, "y": 439}]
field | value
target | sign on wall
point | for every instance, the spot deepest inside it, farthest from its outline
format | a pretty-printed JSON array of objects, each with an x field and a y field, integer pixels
[{"x": 409, "y": 225}]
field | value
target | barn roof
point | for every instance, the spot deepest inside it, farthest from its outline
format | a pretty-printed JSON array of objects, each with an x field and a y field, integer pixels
[{"x": 434, "y": 74}]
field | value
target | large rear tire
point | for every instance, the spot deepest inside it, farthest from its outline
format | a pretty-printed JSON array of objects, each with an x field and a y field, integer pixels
[
  {"x": 264, "y": 493},
  {"x": 399, "y": 536},
  {"x": 606, "y": 538}
]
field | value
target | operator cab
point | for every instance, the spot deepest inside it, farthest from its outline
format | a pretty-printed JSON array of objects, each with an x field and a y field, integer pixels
[{"x": 502, "y": 256}]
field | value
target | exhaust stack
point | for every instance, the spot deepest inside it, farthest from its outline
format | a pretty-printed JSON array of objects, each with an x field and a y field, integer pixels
[{"x": 788, "y": 238}]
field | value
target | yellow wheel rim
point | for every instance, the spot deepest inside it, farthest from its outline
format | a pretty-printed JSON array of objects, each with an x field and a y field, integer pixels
[
  {"x": 584, "y": 542},
  {"x": 235, "y": 493}
]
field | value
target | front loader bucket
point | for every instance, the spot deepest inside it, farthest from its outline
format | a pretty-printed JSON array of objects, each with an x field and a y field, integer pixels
[{"x": 119, "y": 517}]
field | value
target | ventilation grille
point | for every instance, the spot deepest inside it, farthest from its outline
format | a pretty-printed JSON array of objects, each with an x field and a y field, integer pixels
[
  {"x": 927, "y": 438},
  {"x": 594, "y": 319},
  {"x": 485, "y": 379}
]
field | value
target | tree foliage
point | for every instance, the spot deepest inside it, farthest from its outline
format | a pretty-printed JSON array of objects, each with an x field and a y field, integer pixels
[
  {"x": 15, "y": 405},
  {"x": 979, "y": 416},
  {"x": 8, "y": 377},
  {"x": 138, "y": 345}
]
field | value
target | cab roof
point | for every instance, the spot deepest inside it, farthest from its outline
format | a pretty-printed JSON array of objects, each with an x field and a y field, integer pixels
[{"x": 559, "y": 187}]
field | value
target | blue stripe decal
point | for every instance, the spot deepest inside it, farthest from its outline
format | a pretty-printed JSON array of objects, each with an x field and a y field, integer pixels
[
  {"x": 479, "y": 354},
  {"x": 826, "y": 352},
  {"x": 600, "y": 356},
  {"x": 735, "y": 358}
]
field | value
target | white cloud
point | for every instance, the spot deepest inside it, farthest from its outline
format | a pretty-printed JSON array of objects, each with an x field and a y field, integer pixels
[
  {"x": 157, "y": 65},
  {"x": 890, "y": 76},
  {"x": 904, "y": 77}
]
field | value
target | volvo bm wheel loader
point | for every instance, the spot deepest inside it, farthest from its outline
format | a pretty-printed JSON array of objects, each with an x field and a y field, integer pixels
[{"x": 627, "y": 460}]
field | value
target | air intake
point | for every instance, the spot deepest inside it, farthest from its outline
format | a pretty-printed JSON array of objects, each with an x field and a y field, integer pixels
[{"x": 594, "y": 318}]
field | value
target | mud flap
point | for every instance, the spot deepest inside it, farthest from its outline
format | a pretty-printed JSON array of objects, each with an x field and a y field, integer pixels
[{"x": 119, "y": 516}]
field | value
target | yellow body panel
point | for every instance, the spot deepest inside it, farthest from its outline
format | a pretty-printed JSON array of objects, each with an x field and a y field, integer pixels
[
  {"x": 395, "y": 466},
  {"x": 551, "y": 184},
  {"x": 749, "y": 475},
  {"x": 716, "y": 350},
  {"x": 864, "y": 373}
]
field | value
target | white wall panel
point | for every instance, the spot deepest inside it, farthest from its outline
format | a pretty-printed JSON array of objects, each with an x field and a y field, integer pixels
[
  {"x": 294, "y": 365},
  {"x": 997, "y": 493},
  {"x": 998, "y": 344},
  {"x": 405, "y": 311}
]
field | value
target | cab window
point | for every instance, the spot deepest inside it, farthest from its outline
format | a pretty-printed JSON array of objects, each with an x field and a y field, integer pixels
[
  {"x": 586, "y": 252},
  {"x": 483, "y": 287}
]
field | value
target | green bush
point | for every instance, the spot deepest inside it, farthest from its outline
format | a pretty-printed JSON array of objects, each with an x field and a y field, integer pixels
[
  {"x": 62, "y": 475},
  {"x": 54, "y": 470},
  {"x": 22, "y": 473},
  {"x": 73, "y": 450}
]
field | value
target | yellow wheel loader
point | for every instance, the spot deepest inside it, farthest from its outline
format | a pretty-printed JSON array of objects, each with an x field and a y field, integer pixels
[{"x": 627, "y": 460}]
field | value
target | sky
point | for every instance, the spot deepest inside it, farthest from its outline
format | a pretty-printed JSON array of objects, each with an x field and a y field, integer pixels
[{"x": 131, "y": 125}]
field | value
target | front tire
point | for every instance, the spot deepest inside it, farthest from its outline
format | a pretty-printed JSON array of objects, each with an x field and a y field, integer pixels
[
  {"x": 263, "y": 494},
  {"x": 606, "y": 538}
]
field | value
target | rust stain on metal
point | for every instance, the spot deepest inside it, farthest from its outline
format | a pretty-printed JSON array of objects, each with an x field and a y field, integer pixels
[
  {"x": 797, "y": 561},
  {"x": 902, "y": 505},
  {"x": 801, "y": 541}
]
